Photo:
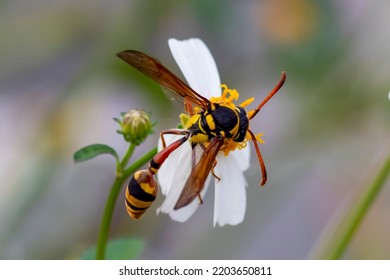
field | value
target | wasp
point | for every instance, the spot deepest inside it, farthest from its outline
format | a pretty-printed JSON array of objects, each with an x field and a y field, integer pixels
[{"x": 210, "y": 126}]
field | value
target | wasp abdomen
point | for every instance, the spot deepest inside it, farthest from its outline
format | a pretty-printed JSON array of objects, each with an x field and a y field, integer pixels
[{"x": 140, "y": 193}]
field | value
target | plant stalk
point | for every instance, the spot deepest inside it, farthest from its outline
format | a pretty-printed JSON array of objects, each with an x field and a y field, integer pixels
[
  {"x": 339, "y": 233},
  {"x": 113, "y": 197}
]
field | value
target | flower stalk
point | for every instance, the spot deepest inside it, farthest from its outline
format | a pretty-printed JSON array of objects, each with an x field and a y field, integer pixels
[
  {"x": 340, "y": 231},
  {"x": 121, "y": 176},
  {"x": 135, "y": 128}
]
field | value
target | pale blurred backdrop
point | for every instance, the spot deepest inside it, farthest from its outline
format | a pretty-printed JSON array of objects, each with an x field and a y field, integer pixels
[{"x": 327, "y": 131}]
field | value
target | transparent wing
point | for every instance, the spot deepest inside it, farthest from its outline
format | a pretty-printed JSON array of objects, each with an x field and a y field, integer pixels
[{"x": 174, "y": 87}]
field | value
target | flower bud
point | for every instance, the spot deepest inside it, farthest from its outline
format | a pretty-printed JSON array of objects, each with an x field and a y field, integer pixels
[{"x": 136, "y": 126}]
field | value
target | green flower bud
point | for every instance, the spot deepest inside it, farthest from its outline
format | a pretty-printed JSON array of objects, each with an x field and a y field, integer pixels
[{"x": 136, "y": 126}]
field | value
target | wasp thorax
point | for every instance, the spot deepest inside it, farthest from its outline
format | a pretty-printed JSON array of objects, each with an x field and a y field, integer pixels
[{"x": 140, "y": 193}]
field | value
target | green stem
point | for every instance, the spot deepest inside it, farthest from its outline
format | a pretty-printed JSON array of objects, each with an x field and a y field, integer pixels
[
  {"x": 141, "y": 161},
  {"x": 113, "y": 196},
  {"x": 340, "y": 232},
  {"x": 127, "y": 156}
]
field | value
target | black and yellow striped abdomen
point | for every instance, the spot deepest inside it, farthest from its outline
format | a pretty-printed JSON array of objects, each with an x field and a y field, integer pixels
[
  {"x": 142, "y": 188},
  {"x": 140, "y": 193}
]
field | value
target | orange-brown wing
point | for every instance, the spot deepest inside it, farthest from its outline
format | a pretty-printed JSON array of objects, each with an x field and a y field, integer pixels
[
  {"x": 156, "y": 71},
  {"x": 198, "y": 176}
]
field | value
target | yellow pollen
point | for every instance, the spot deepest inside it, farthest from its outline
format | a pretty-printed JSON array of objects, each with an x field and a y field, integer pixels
[
  {"x": 258, "y": 138},
  {"x": 247, "y": 102},
  {"x": 229, "y": 145},
  {"x": 228, "y": 96}
]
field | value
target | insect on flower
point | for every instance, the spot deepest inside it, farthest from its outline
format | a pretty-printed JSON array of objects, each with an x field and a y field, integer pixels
[{"x": 213, "y": 126}]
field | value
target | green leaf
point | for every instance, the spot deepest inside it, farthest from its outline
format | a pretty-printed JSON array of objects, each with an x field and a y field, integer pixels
[
  {"x": 119, "y": 249},
  {"x": 91, "y": 151}
]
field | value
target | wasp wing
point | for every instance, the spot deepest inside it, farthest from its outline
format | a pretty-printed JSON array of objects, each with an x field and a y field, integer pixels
[
  {"x": 170, "y": 82},
  {"x": 198, "y": 176}
]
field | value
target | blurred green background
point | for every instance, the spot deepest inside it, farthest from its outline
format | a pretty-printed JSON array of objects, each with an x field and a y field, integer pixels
[{"x": 327, "y": 131}]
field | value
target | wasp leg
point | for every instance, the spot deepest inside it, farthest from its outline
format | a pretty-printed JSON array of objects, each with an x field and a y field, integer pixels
[
  {"x": 200, "y": 199},
  {"x": 171, "y": 131},
  {"x": 189, "y": 107},
  {"x": 212, "y": 171}
]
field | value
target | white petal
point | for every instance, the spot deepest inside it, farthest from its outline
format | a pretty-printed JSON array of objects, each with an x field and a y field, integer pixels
[
  {"x": 230, "y": 193},
  {"x": 168, "y": 169},
  {"x": 172, "y": 177},
  {"x": 175, "y": 170},
  {"x": 197, "y": 65},
  {"x": 242, "y": 156}
]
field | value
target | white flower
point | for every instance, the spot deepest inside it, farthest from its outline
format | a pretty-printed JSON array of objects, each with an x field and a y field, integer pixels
[{"x": 200, "y": 71}]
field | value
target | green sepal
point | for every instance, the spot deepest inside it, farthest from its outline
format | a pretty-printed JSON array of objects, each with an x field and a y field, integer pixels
[{"x": 117, "y": 120}]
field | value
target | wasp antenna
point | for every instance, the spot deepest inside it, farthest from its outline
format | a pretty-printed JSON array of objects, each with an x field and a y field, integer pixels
[
  {"x": 269, "y": 96},
  {"x": 260, "y": 158}
]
